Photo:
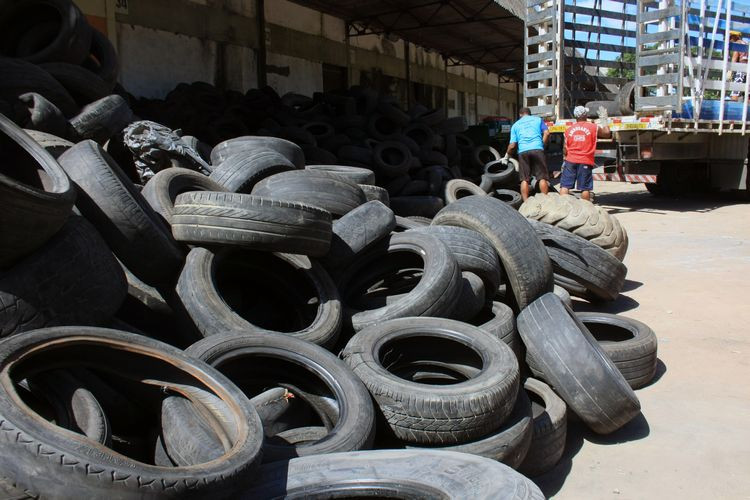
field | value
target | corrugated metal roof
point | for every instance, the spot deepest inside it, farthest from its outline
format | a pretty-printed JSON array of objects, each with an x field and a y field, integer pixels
[{"x": 484, "y": 33}]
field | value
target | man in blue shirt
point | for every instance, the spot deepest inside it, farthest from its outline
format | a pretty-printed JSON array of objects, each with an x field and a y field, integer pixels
[{"x": 530, "y": 134}]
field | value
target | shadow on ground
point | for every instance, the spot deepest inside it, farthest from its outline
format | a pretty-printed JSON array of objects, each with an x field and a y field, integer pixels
[
  {"x": 617, "y": 203},
  {"x": 551, "y": 482},
  {"x": 621, "y": 304}
]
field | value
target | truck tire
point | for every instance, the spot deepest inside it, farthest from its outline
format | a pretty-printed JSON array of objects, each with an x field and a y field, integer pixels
[
  {"x": 37, "y": 196},
  {"x": 255, "y": 292},
  {"x": 630, "y": 344},
  {"x": 320, "y": 189},
  {"x": 135, "y": 233},
  {"x": 473, "y": 252},
  {"x": 394, "y": 473},
  {"x": 39, "y": 458},
  {"x": 550, "y": 429},
  {"x": 578, "y": 259},
  {"x": 509, "y": 444},
  {"x": 162, "y": 189},
  {"x": 257, "y": 360},
  {"x": 357, "y": 231},
  {"x": 251, "y": 221},
  {"x": 75, "y": 260},
  {"x": 626, "y": 99},
  {"x": 521, "y": 252},
  {"x": 435, "y": 294},
  {"x": 580, "y": 217},
  {"x": 246, "y": 144},
  {"x": 424, "y": 413},
  {"x": 574, "y": 364},
  {"x": 460, "y": 188},
  {"x": 241, "y": 172}
]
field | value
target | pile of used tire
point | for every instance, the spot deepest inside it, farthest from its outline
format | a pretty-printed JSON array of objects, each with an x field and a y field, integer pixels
[{"x": 239, "y": 320}]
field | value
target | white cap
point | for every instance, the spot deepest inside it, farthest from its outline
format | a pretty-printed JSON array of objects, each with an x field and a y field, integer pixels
[{"x": 580, "y": 111}]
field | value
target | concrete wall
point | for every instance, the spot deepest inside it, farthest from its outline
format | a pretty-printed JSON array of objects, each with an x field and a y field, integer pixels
[{"x": 162, "y": 43}]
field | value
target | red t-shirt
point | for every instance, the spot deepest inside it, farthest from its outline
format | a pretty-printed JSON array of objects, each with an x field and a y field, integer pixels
[{"x": 580, "y": 142}]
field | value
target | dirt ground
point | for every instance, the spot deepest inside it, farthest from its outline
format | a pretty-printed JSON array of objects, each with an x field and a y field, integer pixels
[{"x": 688, "y": 272}]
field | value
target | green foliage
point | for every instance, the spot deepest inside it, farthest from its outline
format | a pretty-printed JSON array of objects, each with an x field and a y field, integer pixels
[{"x": 628, "y": 57}]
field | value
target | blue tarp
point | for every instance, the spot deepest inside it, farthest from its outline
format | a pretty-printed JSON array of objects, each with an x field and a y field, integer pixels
[{"x": 711, "y": 108}]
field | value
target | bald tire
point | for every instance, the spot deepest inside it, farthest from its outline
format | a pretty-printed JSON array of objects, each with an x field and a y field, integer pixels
[
  {"x": 251, "y": 221},
  {"x": 575, "y": 365},
  {"x": 521, "y": 251},
  {"x": 162, "y": 189}
]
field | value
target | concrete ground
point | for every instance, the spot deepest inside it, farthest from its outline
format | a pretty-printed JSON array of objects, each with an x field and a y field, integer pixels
[{"x": 688, "y": 278}]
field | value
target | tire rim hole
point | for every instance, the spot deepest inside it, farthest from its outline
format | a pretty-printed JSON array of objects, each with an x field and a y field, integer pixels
[{"x": 446, "y": 362}]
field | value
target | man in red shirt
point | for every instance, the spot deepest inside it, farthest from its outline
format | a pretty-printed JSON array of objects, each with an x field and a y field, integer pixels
[{"x": 579, "y": 149}]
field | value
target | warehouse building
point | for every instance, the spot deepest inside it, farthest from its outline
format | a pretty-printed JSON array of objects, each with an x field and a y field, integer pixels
[{"x": 304, "y": 50}]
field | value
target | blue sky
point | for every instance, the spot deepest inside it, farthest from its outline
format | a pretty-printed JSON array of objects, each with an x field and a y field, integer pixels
[{"x": 738, "y": 9}]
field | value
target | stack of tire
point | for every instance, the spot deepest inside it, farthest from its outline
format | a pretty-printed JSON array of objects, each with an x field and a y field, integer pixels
[{"x": 59, "y": 73}]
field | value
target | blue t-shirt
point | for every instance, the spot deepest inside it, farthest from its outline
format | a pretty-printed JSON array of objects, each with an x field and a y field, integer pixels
[{"x": 527, "y": 133}]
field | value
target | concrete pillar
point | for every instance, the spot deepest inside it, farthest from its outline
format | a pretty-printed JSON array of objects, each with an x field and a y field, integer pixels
[{"x": 260, "y": 13}]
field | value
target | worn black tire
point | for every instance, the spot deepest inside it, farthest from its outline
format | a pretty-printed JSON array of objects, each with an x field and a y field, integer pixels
[
  {"x": 435, "y": 294},
  {"x": 241, "y": 172},
  {"x": 459, "y": 188},
  {"x": 215, "y": 218},
  {"x": 550, "y": 429},
  {"x": 53, "y": 144},
  {"x": 424, "y": 206},
  {"x": 502, "y": 172},
  {"x": 499, "y": 321},
  {"x": 74, "y": 406},
  {"x": 626, "y": 98},
  {"x": 214, "y": 310},
  {"x": 473, "y": 252},
  {"x": 36, "y": 195},
  {"x": 436, "y": 414},
  {"x": 131, "y": 228},
  {"x": 382, "y": 128},
  {"x": 482, "y": 155},
  {"x": 563, "y": 294},
  {"x": 357, "y": 231},
  {"x": 162, "y": 189},
  {"x": 69, "y": 41},
  {"x": 394, "y": 473},
  {"x": 512, "y": 198},
  {"x": 47, "y": 461},
  {"x": 357, "y": 175},
  {"x": 289, "y": 150},
  {"x": 83, "y": 85},
  {"x": 21, "y": 77},
  {"x": 630, "y": 344},
  {"x": 42, "y": 115},
  {"x": 376, "y": 193},
  {"x": 521, "y": 252},
  {"x": 509, "y": 444},
  {"x": 103, "y": 119},
  {"x": 240, "y": 356},
  {"x": 574, "y": 364},
  {"x": 76, "y": 261},
  {"x": 321, "y": 189},
  {"x": 580, "y": 217},
  {"x": 104, "y": 60},
  {"x": 472, "y": 298},
  {"x": 576, "y": 258},
  {"x": 391, "y": 159}
]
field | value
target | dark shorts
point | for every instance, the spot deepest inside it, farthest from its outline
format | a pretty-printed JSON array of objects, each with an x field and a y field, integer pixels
[
  {"x": 577, "y": 173},
  {"x": 533, "y": 161}
]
